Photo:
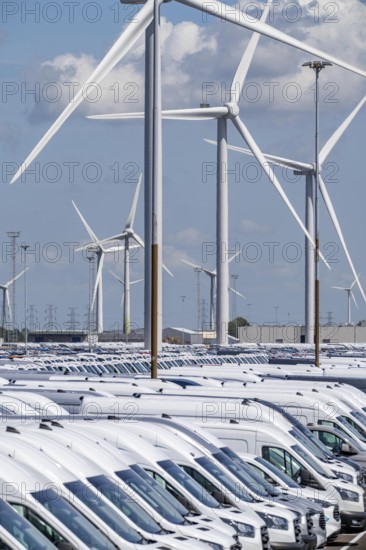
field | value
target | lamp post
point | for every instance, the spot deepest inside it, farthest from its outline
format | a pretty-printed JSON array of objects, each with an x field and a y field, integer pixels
[
  {"x": 25, "y": 247},
  {"x": 276, "y": 314},
  {"x": 90, "y": 257},
  {"x": 317, "y": 66},
  {"x": 234, "y": 278},
  {"x": 183, "y": 299}
]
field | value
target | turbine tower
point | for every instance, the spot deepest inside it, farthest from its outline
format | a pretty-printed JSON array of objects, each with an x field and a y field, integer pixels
[
  {"x": 125, "y": 303},
  {"x": 6, "y": 298}
]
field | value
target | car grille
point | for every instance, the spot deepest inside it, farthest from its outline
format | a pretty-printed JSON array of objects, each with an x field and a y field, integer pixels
[
  {"x": 265, "y": 538},
  {"x": 297, "y": 529},
  {"x": 309, "y": 523},
  {"x": 336, "y": 513},
  {"x": 363, "y": 476},
  {"x": 322, "y": 522}
]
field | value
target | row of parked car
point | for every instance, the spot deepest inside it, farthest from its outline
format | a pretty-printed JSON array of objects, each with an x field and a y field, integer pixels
[{"x": 211, "y": 458}]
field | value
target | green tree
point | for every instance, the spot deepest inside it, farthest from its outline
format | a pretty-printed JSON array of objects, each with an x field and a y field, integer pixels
[{"x": 235, "y": 324}]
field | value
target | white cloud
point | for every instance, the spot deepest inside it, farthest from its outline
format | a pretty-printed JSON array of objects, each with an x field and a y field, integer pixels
[
  {"x": 188, "y": 237},
  {"x": 251, "y": 226}
]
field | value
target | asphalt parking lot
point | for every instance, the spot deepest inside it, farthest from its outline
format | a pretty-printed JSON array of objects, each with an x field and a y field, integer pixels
[{"x": 343, "y": 542}]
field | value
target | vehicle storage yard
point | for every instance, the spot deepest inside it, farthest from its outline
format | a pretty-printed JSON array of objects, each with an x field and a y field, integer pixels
[{"x": 222, "y": 451}]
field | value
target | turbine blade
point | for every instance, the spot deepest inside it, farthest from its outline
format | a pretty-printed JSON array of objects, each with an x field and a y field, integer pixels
[
  {"x": 340, "y": 287},
  {"x": 116, "y": 277},
  {"x": 354, "y": 299},
  {"x": 243, "y": 68},
  {"x": 236, "y": 292},
  {"x": 91, "y": 233},
  {"x": 195, "y": 113},
  {"x": 8, "y": 304},
  {"x": 326, "y": 149},
  {"x": 220, "y": 10},
  {"x": 137, "y": 281},
  {"x": 234, "y": 256},
  {"x": 125, "y": 41},
  {"x": 167, "y": 270},
  {"x": 138, "y": 239},
  {"x": 355, "y": 281},
  {"x": 195, "y": 266},
  {"x": 98, "y": 279},
  {"x": 17, "y": 277},
  {"x": 333, "y": 215},
  {"x": 131, "y": 217},
  {"x": 279, "y": 161},
  {"x": 244, "y": 132}
]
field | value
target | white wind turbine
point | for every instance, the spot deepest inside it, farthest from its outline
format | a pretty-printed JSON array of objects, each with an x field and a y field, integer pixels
[
  {"x": 6, "y": 299},
  {"x": 349, "y": 295},
  {"x": 128, "y": 234},
  {"x": 126, "y": 311},
  {"x": 212, "y": 274},
  {"x": 132, "y": 33},
  {"x": 308, "y": 169},
  {"x": 98, "y": 247}
]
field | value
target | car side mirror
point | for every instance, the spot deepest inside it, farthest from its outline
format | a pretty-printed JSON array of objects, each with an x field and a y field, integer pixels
[
  {"x": 348, "y": 449},
  {"x": 221, "y": 497},
  {"x": 307, "y": 479}
]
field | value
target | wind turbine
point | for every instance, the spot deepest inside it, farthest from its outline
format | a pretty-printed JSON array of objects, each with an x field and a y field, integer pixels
[
  {"x": 6, "y": 299},
  {"x": 213, "y": 277},
  {"x": 128, "y": 234},
  {"x": 125, "y": 299},
  {"x": 349, "y": 294},
  {"x": 308, "y": 170},
  {"x": 123, "y": 44},
  {"x": 100, "y": 252}
]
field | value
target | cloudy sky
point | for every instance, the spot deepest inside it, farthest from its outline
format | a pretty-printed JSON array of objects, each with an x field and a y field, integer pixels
[{"x": 46, "y": 55}]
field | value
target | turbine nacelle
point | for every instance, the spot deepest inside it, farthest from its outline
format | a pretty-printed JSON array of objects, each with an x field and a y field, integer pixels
[{"x": 233, "y": 109}]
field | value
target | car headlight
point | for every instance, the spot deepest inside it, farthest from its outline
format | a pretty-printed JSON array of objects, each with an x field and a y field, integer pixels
[
  {"x": 242, "y": 529},
  {"x": 274, "y": 522},
  {"x": 214, "y": 545},
  {"x": 349, "y": 495},
  {"x": 342, "y": 475}
]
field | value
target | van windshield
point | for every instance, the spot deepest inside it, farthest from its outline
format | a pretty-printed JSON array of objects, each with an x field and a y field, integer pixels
[
  {"x": 182, "y": 510},
  {"x": 105, "y": 512},
  {"x": 313, "y": 463},
  {"x": 22, "y": 530},
  {"x": 150, "y": 496},
  {"x": 226, "y": 481},
  {"x": 242, "y": 471},
  {"x": 309, "y": 446},
  {"x": 73, "y": 520},
  {"x": 194, "y": 488},
  {"x": 123, "y": 501},
  {"x": 277, "y": 472},
  {"x": 345, "y": 422}
]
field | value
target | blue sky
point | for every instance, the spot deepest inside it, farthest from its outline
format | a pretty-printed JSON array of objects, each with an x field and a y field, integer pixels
[{"x": 197, "y": 53}]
